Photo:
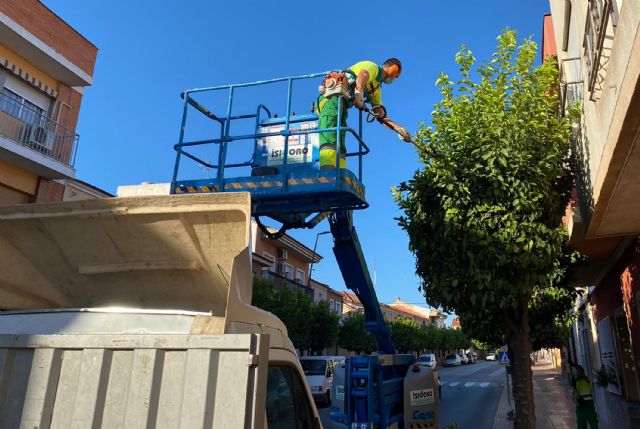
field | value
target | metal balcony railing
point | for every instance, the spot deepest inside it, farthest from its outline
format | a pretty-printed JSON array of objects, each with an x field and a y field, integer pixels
[
  {"x": 34, "y": 130},
  {"x": 599, "y": 13},
  {"x": 571, "y": 83},
  {"x": 281, "y": 282}
]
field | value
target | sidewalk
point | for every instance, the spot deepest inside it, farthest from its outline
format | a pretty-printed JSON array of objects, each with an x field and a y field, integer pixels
[{"x": 554, "y": 406}]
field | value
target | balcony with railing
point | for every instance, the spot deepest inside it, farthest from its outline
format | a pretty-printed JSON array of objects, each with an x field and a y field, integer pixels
[
  {"x": 27, "y": 126},
  {"x": 571, "y": 83},
  {"x": 600, "y": 26},
  {"x": 280, "y": 282}
]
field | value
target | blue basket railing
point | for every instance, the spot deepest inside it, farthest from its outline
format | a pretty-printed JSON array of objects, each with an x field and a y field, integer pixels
[{"x": 261, "y": 113}]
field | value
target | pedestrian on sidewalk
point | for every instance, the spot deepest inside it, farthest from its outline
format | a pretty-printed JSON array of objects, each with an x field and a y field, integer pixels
[{"x": 585, "y": 408}]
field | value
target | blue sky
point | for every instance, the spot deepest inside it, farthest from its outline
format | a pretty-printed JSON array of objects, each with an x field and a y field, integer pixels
[{"x": 150, "y": 51}]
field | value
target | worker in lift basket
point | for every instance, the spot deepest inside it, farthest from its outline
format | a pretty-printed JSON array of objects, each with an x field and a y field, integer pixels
[{"x": 369, "y": 78}]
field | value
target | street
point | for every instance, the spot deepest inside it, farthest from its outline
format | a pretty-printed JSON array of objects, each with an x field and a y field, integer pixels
[{"x": 470, "y": 396}]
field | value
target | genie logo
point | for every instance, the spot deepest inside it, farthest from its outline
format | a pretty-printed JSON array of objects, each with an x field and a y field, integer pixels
[{"x": 423, "y": 415}]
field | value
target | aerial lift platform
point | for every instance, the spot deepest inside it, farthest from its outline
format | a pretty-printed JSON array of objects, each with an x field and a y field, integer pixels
[{"x": 287, "y": 185}]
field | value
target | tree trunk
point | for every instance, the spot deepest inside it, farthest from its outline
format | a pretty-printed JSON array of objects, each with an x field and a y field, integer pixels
[{"x": 520, "y": 347}]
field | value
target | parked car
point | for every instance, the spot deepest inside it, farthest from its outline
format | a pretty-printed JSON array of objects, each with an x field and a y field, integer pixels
[
  {"x": 473, "y": 357},
  {"x": 463, "y": 359},
  {"x": 491, "y": 356},
  {"x": 428, "y": 359},
  {"x": 452, "y": 360},
  {"x": 318, "y": 371}
]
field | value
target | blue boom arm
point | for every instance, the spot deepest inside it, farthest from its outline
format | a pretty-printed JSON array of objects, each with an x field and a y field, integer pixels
[{"x": 356, "y": 276}]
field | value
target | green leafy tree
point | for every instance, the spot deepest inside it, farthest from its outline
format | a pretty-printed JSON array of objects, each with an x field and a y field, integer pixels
[
  {"x": 406, "y": 335},
  {"x": 550, "y": 318},
  {"x": 263, "y": 292},
  {"x": 324, "y": 327},
  {"x": 430, "y": 337},
  {"x": 291, "y": 307},
  {"x": 352, "y": 335},
  {"x": 484, "y": 219},
  {"x": 445, "y": 342},
  {"x": 460, "y": 340}
]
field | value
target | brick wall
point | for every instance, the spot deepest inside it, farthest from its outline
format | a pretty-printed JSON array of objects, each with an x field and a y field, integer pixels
[
  {"x": 48, "y": 27},
  {"x": 49, "y": 191},
  {"x": 67, "y": 114}
]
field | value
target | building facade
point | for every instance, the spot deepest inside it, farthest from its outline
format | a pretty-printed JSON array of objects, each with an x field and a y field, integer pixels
[
  {"x": 422, "y": 316},
  {"x": 44, "y": 67},
  {"x": 325, "y": 293},
  {"x": 284, "y": 261},
  {"x": 597, "y": 43}
]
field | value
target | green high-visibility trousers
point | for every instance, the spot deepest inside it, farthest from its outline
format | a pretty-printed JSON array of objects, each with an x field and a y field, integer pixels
[
  {"x": 586, "y": 413},
  {"x": 327, "y": 109}
]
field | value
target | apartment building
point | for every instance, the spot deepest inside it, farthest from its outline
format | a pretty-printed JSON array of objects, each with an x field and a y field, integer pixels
[
  {"x": 398, "y": 310},
  {"x": 455, "y": 323},
  {"x": 597, "y": 43},
  {"x": 430, "y": 315},
  {"x": 44, "y": 67},
  {"x": 284, "y": 261},
  {"x": 325, "y": 293}
]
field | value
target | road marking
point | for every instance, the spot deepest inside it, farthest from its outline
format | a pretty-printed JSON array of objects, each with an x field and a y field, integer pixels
[{"x": 482, "y": 384}]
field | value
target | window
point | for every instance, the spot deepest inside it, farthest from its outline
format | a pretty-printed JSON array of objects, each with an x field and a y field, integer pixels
[
  {"x": 265, "y": 273},
  {"x": 22, "y": 101},
  {"x": 608, "y": 355},
  {"x": 331, "y": 304},
  {"x": 287, "y": 271},
  {"x": 269, "y": 257},
  {"x": 287, "y": 404},
  {"x": 632, "y": 390},
  {"x": 299, "y": 276},
  {"x": 20, "y": 108}
]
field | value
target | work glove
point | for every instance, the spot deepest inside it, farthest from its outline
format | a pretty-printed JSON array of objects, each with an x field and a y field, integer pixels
[
  {"x": 379, "y": 111},
  {"x": 404, "y": 134},
  {"x": 358, "y": 100}
]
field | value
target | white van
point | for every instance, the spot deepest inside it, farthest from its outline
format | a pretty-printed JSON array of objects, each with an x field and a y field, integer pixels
[
  {"x": 318, "y": 371},
  {"x": 428, "y": 359}
]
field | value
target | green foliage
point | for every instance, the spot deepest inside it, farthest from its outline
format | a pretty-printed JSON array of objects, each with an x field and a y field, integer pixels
[
  {"x": 324, "y": 327},
  {"x": 431, "y": 337},
  {"x": 453, "y": 339},
  {"x": 310, "y": 326},
  {"x": 484, "y": 220},
  {"x": 352, "y": 335},
  {"x": 549, "y": 316},
  {"x": 407, "y": 335},
  {"x": 479, "y": 345}
]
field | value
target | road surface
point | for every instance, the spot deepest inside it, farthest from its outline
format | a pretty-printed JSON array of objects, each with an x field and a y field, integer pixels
[{"x": 470, "y": 396}]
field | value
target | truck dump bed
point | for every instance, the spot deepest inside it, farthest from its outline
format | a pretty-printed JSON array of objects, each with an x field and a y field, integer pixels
[
  {"x": 98, "y": 270},
  {"x": 164, "y": 252},
  {"x": 132, "y": 381}
]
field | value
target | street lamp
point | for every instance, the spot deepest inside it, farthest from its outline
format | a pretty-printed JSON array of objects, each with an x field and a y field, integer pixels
[{"x": 313, "y": 257}]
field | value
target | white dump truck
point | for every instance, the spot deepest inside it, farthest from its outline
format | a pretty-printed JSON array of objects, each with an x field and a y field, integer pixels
[{"x": 134, "y": 313}]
